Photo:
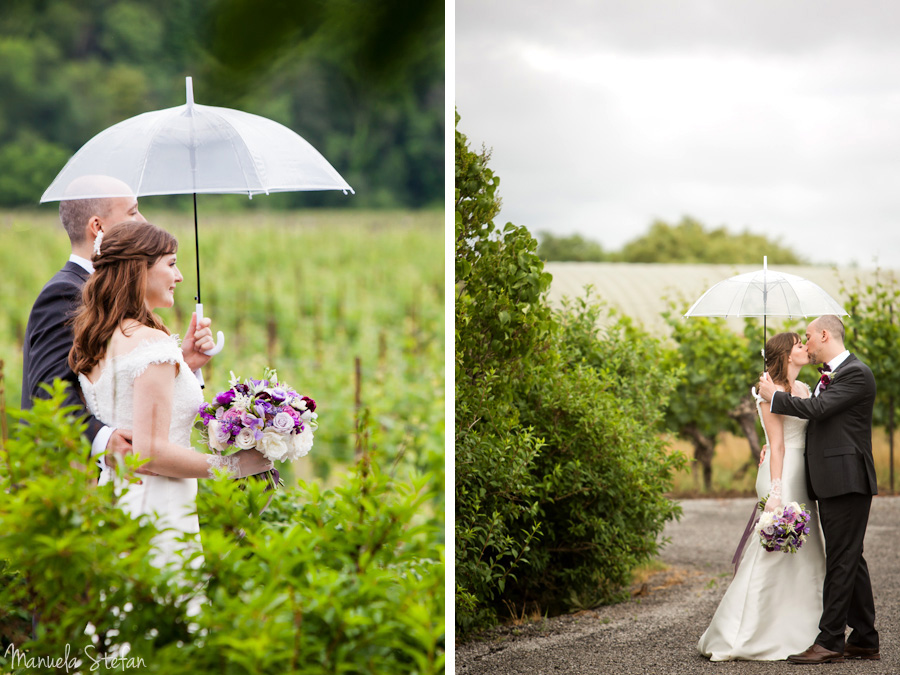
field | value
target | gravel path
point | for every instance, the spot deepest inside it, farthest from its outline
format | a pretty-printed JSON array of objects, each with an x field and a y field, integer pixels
[{"x": 657, "y": 631}]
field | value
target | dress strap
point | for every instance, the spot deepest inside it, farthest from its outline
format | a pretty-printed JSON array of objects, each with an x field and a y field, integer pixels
[{"x": 759, "y": 400}]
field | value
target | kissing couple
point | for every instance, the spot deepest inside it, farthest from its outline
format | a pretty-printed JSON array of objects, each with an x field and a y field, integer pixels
[{"x": 798, "y": 607}]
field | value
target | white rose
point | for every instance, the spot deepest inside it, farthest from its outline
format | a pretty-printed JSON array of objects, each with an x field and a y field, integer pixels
[
  {"x": 766, "y": 520},
  {"x": 301, "y": 444},
  {"x": 273, "y": 445},
  {"x": 245, "y": 439}
]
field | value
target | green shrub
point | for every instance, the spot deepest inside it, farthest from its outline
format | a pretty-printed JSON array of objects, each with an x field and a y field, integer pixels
[
  {"x": 560, "y": 474},
  {"x": 342, "y": 580}
]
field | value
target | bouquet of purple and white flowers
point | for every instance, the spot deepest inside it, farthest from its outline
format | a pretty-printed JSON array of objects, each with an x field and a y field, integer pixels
[
  {"x": 784, "y": 529},
  {"x": 263, "y": 414}
]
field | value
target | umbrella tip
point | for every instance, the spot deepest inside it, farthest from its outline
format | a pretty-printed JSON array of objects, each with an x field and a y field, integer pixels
[{"x": 189, "y": 90}]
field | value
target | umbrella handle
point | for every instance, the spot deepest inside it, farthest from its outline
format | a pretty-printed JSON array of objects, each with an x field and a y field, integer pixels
[{"x": 220, "y": 337}]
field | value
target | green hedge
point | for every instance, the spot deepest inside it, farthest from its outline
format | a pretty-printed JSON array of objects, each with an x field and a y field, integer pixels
[
  {"x": 560, "y": 471},
  {"x": 342, "y": 580}
]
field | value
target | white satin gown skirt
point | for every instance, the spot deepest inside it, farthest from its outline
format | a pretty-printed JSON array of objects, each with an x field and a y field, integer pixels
[{"x": 773, "y": 605}]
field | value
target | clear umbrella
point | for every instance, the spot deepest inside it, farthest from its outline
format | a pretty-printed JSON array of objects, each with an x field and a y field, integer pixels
[
  {"x": 765, "y": 293},
  {"x": 197, "y": 149}
]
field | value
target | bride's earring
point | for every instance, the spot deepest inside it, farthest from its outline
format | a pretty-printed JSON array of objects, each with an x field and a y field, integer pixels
[{"x": 97, "y": 241}]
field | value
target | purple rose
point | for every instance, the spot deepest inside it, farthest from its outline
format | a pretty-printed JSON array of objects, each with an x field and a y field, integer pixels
[
  {"x": 232, "y": 416},
  {"x": 283, "y": 423}
]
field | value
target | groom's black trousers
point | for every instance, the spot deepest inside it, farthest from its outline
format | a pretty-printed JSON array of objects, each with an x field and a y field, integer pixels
[{"x": 847, "y": 594}]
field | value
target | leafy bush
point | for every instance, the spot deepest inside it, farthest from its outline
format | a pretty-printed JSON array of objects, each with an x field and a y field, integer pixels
[
  {"x": 559, "y": 473},
  {"x": 597, "y": 401},
  {"x": 342, "y": 580}
]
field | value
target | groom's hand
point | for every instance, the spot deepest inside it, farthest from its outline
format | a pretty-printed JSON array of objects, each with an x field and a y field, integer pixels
[
  {"x": 766, "y": 388},
  {"x": 118, "y": 446},
  {"x": 197, "y": 340}
]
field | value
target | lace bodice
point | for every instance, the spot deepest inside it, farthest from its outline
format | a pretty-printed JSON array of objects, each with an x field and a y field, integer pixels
[{"x": 111, "y": 398}]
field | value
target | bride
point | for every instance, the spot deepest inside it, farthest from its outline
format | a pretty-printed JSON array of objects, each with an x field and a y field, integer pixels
[
  {"x": 133, "y": 375},
  {"x": 773, "y": 605}
]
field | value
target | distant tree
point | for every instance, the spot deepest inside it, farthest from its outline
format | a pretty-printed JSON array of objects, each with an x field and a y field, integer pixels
[
  {"x": 874, "y": 335},
  {"x": 690, "y": 242},
  {"x": 573, "y": 247},
  {"x": 363, "y": 82},
  {"x": 717, "y": 374}
]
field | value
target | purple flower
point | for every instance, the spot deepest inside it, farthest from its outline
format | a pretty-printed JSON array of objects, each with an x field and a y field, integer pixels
[
  {"x": 310, "y": 404},
  {"x": 279, "y": 394},
  {"x": 263, "y": 408},
  {"x": 225, "y": 397},
  {"x": 283, "y": 423}
]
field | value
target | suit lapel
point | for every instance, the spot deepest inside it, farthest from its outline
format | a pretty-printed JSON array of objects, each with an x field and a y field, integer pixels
[{"x": 846, "y": 361}]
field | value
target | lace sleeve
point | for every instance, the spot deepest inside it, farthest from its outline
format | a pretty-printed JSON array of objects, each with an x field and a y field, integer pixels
[{"x": 166, "y": 350}]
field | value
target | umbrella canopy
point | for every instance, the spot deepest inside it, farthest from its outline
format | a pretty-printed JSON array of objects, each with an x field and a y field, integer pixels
[
  {"x": 765, "y": 293},
  {"x": 198, "y": 149},
  {"x": 194, "y": 149}
]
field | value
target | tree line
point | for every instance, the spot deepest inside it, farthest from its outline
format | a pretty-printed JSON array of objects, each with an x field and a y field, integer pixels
[
  {"x": 363, "y": 83},
  {"x": 688, "y": 241}
]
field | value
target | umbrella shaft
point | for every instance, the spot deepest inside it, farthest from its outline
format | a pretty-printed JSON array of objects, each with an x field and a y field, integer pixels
[{"x": 197, "y": 247}]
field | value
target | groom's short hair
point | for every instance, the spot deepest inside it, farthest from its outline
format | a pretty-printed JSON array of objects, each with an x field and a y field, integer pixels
[{"x": 832, "y": 324}]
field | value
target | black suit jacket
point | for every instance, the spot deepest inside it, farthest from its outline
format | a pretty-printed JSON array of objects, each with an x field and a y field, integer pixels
[
  {"x": 839, "y": 436},
  {"x": 49, "y": 337}
]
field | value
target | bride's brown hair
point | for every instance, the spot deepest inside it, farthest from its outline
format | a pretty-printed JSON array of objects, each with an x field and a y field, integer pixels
[
  {"x": 115, "y": 291},
  {"x": 778, "y": 348}
]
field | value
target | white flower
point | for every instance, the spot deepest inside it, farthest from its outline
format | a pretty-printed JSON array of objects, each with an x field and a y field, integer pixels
[
  {"x": 299, "y": 403},
  {"x": 301, "y": 444},
  {"x": 283, "y": 423},
  {"x": 766, "y": 520},
  {"x": 245, "y": 439},
  {"x": 274, "y": 446},
  {"x": 234, "y": 379},
  {"x": 241, "y": 402},
  {"x": 216, "y": 441}
]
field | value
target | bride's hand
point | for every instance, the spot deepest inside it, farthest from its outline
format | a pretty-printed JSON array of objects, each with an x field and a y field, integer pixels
[
  {"x": 774, "y": 500},
  {"x": 762, "y": 454},
  {"x": 252, "y": 462},
  {"x": 240, "y": 464}
]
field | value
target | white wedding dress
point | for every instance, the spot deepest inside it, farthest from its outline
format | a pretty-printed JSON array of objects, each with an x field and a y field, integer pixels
[
  {"x": 773, "y": 605},
  {"x": 111, "y": 400}
]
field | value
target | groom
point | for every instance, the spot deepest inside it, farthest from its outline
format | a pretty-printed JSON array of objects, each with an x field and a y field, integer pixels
[
  {"x": 48, "y": 337},
  {"x": 841, "y": 477}
]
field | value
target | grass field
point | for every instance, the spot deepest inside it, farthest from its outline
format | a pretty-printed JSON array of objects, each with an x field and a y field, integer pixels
[
  {"x": 347, "y": 305},
  {"x": 734, "y": 475}
]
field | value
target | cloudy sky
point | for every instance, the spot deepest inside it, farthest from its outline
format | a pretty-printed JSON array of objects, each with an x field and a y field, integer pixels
[{"x": 782, "y": 118}]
